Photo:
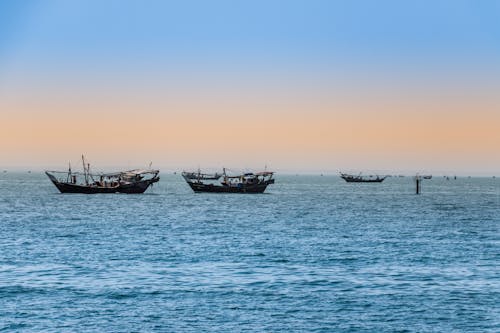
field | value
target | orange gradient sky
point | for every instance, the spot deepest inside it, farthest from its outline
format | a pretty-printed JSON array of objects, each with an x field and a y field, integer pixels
[{"x": 296, "y": 125}]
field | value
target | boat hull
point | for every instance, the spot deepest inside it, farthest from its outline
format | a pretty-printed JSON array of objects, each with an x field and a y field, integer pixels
[
  {"x": 74, "y": 188},
  {"x": 364, "y": 180},
  {"x": 128, "y": 188},
  {"x": 212, "y": 188},
  {"x": 137, "y": 187}
]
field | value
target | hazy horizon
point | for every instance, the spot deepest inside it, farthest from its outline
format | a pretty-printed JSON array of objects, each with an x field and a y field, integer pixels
[{"x": 232, "y": 169}]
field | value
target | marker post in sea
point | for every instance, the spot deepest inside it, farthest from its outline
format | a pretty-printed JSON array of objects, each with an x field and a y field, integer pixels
[{"x": 418, "y": 184}]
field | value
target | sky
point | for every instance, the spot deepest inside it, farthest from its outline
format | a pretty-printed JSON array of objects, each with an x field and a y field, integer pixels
[{"x": 299, "y": 86}]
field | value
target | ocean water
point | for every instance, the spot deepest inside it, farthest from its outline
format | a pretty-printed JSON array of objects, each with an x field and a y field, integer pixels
[{"x": 313, "y": 254}]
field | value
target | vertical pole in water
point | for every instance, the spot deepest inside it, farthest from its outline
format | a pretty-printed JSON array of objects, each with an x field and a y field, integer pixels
[{"x": 417, "y": 184}]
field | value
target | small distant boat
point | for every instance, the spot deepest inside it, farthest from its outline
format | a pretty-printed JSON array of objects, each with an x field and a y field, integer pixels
[
  {"x": 130, "y": 182},
  {"x": 244, "y": 183},
  {"x": 362, "y": 179},
  {"x": 423, "y": 176}
]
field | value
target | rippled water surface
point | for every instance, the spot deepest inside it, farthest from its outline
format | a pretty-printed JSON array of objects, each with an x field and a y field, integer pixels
[{"x": 313, "y": 254}]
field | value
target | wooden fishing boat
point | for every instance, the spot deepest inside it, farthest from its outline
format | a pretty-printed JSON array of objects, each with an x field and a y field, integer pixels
[
  {"x": 243, "y": 183},
  {"x": 130, "y": 182},
  {"x": 362, "y": 179}
]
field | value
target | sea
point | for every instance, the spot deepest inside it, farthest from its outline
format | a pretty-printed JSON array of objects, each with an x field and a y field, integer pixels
[{"x": 312, "y": 254}]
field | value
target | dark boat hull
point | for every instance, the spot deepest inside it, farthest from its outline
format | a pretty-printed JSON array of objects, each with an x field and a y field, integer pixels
[
  {"x": 73, "y": 188},
  {"x": 129, "y": 188},
  {"x": 212, "y": 188},
  {"x": 137, "y": 187},
  {"x": 364, "y": 180}
]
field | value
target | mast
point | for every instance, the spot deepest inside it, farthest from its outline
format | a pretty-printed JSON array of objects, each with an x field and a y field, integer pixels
[
  {"x": 69, "y": 172},
  {"x": 85, "y": 171},
  {"x": 89, "y": 175}
]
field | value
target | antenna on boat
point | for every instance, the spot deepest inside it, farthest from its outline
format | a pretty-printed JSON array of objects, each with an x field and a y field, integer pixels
[
  {"x": 225, "y": 176},
  {"x": 88, "y": 172},
  {"x": 69, "y": 171},
  {"x": 85, "y": 171}
]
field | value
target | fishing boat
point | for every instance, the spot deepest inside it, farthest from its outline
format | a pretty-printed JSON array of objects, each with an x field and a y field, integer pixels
[
  {"x": 86, "y": 182},
  {"x": 223, "y": 183},
  {"x": 362, "y": 179}
]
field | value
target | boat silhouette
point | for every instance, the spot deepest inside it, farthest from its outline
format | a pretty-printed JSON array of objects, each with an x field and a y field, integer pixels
[
  {"x": 243, "y": 183},
  {"x": 362, "y": 179},
  {"x": 130, "y": 181}
]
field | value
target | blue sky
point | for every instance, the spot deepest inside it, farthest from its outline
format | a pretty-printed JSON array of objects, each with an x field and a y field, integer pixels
[{"x": 245, "y": 33}]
